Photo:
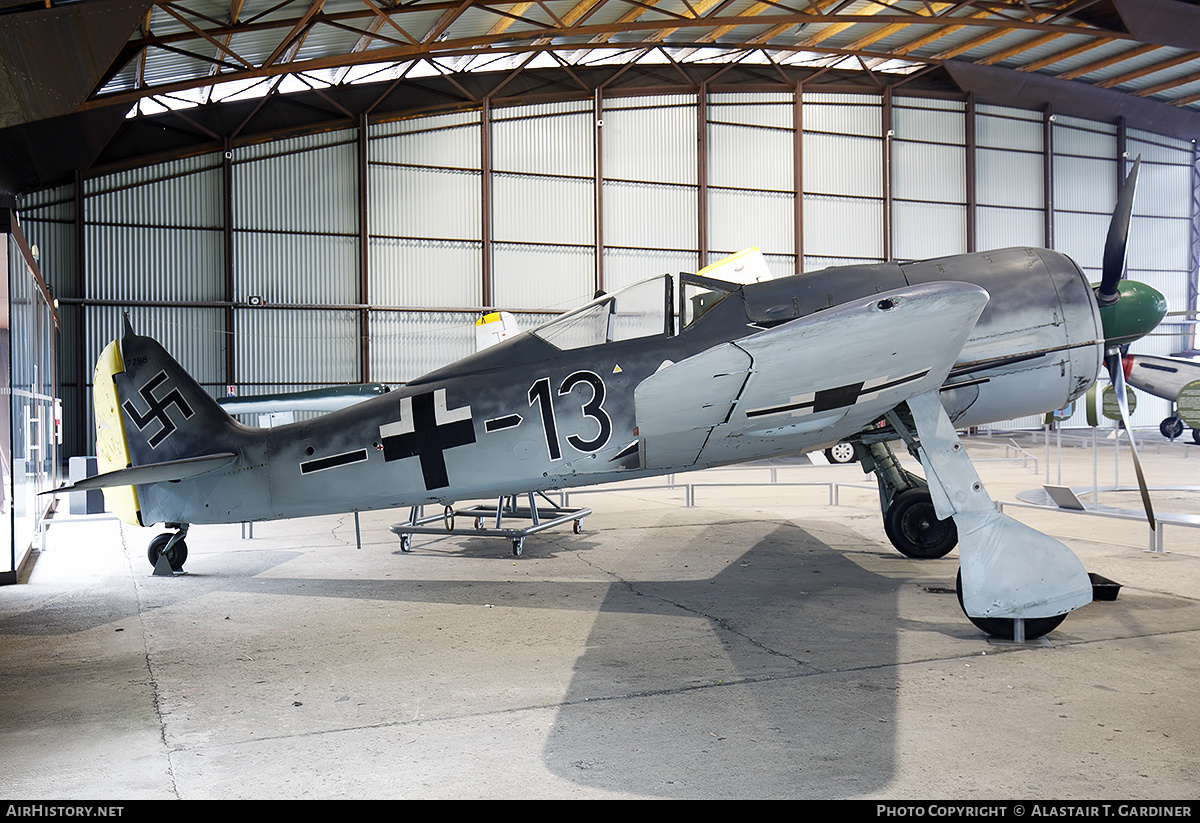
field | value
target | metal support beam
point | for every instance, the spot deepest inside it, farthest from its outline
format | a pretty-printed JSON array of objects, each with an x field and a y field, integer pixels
[
  {"x": 1122, "y": 154},
  {"x": 888, "y": 133},
  {"x": 1193, "y": 286},
  {"x": 598, "y": 184},
  {"x": 364, "y": 254},
  {"x": 1048, "y": 177},
  {"x": 702, "y": 176},
  {"x": 227, "y": 240},
  {"x": 485, "y": 183},
  {"x": 798, "y": 174},
  {"x": 80, "y": 446},
  {"x": 972, "y": 196}
]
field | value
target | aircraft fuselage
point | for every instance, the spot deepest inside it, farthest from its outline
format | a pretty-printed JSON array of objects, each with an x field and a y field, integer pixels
[{"x": 550, "y": 409}]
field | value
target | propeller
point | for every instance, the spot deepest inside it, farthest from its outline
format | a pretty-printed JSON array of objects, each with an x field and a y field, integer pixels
[
  {"x": 1113, "y": 266},
  {"x": 1128, "y": 311},
  {"x": 1116, "y": 369}
]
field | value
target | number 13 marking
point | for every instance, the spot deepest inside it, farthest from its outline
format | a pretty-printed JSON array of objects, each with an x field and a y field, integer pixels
[{"x": 540, "y": 394}]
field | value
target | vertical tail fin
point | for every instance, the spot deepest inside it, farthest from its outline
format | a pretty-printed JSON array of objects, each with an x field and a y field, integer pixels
[{"x": 149, "y": 411}]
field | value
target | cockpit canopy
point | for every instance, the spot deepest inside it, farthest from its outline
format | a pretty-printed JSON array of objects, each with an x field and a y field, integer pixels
[{"x": 645, "y": 309}]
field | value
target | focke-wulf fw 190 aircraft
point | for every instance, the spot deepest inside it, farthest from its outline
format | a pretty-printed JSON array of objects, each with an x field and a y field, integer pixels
[{"x": 674, "y": 374}]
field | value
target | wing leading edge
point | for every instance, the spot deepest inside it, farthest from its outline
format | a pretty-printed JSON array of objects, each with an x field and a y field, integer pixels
[{"x": 806, "y": 382}]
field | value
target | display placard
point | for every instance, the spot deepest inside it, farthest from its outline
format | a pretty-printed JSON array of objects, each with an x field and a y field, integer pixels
[
  {"x": 1108, "y": 402},
  {"x": 1188, "y": 404}
]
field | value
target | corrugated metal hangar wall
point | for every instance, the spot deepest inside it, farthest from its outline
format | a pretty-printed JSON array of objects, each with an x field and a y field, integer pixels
[{"x": 373, "y": 250}]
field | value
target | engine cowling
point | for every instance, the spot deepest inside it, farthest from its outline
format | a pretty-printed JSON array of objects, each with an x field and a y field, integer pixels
[{"x": 1038, "y": 345}]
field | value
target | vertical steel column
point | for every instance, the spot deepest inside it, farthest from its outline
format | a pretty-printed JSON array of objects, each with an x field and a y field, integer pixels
[
  {"x": 1193, "y": 289},
  {"x": 1122, "y": 154},
  {"x": 364, "y": 255},
  {"x": 888, "y": 134},
  {"x": 702, "y": 176},
  {"x": 972, "y": 196},
  {"x": 227, "y": 238},
  {"x": 1048, "y": 176},
  {"x": 485, "y": 185},
  {"x": 598, "y": 184},
  {"x": 81, "y": 444},
  {"x": 798, "y": 174}
]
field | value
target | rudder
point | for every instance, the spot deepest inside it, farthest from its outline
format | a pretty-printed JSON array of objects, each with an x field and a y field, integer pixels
[{"x": 150, "y": 411}]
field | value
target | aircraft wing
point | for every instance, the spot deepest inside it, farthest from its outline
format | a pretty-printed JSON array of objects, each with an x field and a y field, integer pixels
[{"x": 806, "y": 382}]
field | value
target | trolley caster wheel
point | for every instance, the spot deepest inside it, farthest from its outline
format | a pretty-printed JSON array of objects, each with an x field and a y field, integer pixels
[
  {"x": 577, "y": 526},
  {"x": 448, "y": 518},
  {"x": 518, "y": 545},
  {"x": 406, "y": 543},
  {"x": 478, "y": 523}
]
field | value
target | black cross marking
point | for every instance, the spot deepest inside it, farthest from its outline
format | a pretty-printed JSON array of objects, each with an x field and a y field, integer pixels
[
  {"x": 157, "y": 409},
  {"x": 333, "y": 461},
  {"x": 836, "y": 398},
  {"x": 508, "y": 421},
  {"x": 426, "y": 437}
]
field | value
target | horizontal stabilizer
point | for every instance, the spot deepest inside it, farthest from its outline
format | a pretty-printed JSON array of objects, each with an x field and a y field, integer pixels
[{"x": 166, "y": 472}]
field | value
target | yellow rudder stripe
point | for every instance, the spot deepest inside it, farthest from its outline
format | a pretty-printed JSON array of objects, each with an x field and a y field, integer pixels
[{"x": 112, "y": 449}]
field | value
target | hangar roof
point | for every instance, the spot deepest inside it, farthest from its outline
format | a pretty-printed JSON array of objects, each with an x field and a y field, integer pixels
[{"x": 128, "y": 80}]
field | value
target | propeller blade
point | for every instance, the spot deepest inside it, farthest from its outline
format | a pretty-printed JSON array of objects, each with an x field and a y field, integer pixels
[
  {"x": 1116, "y": 371},
  {"x": 1118, "y": 238}
]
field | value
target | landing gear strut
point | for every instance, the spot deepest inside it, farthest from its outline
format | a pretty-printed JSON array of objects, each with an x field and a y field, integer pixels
[{"x": 1171, "y": 427}]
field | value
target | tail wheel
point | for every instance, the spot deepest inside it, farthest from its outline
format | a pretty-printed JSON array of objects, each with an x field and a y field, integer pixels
[
  {"x": 176, "y": 555},
  {"x": 912, "y": 526},
  {"x": 1002, "y": 627}
]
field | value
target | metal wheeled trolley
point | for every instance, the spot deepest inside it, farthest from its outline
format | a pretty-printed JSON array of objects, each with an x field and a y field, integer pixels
[{"x": 540, "y": 517}]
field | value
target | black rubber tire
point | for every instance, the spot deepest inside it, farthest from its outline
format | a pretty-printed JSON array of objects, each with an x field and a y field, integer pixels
[
  {"x": 913, "y": 528},
  {"x": 1196, "y": 436},
  {"x": 1002, "y": 627},
  {"x": 1171, "y": 428},
  {"x": 840, "y": 453},
  {"x": 177, "y": 555}
]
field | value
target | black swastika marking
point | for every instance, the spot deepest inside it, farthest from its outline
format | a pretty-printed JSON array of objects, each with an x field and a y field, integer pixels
[{"x": 157, "y": 409}]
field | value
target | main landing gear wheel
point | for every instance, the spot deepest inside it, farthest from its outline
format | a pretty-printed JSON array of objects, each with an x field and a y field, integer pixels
[
  {"x": 1002, "y": 627},
  {"x": 176, "y": 555},
  {"x": 913, "y": 528},
  {"x": 840, "y": 453},
  {"x": 1171, "y": 427}
]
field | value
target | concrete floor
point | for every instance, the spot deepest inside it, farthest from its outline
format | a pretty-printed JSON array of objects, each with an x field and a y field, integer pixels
[{"x": 762, "y": 644}]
